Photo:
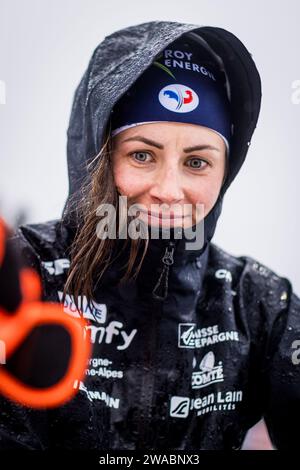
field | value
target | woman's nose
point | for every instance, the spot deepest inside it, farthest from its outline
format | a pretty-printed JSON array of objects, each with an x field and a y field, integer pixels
[{"x": 167, "y": 186}]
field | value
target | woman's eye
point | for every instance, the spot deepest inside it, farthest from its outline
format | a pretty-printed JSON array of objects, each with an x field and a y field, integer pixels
[
  {"x": 140, "y": 157},
  {"x": 197, "y": 163}
]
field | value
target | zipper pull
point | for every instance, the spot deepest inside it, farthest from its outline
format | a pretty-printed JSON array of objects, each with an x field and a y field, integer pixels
[{"x": 160, "y": 291}]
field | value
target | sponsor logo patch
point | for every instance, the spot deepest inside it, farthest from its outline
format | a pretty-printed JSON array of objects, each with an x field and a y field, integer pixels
[{"x": 189, "y": 336}]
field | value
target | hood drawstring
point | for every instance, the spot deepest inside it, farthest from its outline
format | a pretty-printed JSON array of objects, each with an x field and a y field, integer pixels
[{"x": 160, "y": 290}]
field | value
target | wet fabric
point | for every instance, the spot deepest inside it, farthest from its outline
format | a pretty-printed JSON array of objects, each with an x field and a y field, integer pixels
[{"x": 196, "y": 365}]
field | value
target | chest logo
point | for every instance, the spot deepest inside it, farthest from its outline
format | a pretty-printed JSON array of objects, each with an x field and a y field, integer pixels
[
  {"x": 208, "y": 372},
  {"x": 189, "y": 336}
]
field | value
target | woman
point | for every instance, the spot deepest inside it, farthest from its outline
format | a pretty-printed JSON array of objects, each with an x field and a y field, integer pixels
[{"x": 191, "y": 345}]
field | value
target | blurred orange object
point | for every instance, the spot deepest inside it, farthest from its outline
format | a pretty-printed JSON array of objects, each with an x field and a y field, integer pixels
[{"x": 46, "y": 350}]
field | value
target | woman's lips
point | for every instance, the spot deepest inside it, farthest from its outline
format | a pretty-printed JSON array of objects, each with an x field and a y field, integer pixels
[{"x": 164, "y": 216}]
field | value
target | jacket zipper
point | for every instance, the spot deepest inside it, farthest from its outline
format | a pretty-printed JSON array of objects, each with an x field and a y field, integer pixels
[{"x": 160, "y": 290}]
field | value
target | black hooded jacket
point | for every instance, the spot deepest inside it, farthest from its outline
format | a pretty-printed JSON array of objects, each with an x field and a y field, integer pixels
[{"x": 198, "y": 365}]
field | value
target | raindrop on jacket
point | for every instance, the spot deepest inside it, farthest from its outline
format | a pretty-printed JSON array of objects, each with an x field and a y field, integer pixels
[{"x": 197, "y": 365}]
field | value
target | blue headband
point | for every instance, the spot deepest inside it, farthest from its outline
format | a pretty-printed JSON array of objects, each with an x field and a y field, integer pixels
[{"x": 183, "y": 84}]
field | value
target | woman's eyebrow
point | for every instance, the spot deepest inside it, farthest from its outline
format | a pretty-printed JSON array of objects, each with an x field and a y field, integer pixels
[
  {"x": 160, "y": 146},
  {"x": 201, "y": 147},
  {"x": 146, "y": 141}
]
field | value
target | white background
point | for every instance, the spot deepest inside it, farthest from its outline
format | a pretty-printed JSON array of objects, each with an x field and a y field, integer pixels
[{"x": 45, "y": 47}]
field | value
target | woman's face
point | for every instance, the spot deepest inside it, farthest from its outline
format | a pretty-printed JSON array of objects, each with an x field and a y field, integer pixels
[{"x": 168, "y": 168}]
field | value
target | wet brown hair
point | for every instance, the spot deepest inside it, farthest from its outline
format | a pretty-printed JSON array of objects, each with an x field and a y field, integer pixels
[{"x": 90, "y": 254}]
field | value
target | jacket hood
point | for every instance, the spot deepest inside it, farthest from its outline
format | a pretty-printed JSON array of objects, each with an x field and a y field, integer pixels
[
  {"x": 123, "y": 56},
  {"x": 116, "y": 64}
]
